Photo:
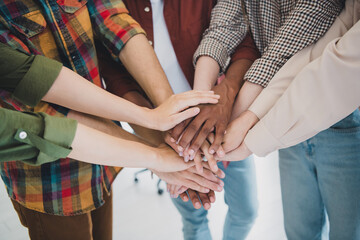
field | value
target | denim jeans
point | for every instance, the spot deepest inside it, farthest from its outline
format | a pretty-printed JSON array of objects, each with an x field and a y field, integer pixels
[
  {"x": 319, "y": 176},
  {"x": 241, "y": 198}
]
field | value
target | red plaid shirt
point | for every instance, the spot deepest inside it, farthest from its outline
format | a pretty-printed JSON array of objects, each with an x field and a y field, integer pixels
[{"x": 63, "y": 30}]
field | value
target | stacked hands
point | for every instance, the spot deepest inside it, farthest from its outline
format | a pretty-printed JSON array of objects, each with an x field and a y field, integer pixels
[{"x": 202, "y": 140}]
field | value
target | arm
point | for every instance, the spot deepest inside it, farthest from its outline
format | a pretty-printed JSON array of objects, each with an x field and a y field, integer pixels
[
  {"x": 216, "y": 116},
  {"x": 307, "y": 22},
  {"x": 334, "y": 77},
  {"x": 224, "y": 34},
  {"x": 57, "y": 84},
  {"x": 125, "y": 40},
  {"x": 37, "y": 138}
]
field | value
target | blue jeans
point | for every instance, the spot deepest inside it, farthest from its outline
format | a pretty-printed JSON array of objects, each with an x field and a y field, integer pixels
[
  {"x": 241, "y": 198},
  {"x": 319, "y": 176}
]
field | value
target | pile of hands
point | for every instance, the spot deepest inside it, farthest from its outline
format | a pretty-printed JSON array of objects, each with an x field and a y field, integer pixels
[{"x": 215, "y": 134}]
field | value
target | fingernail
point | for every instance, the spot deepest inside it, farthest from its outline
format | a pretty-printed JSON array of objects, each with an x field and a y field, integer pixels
[
  {"x": 179, "y": 191},
  {"x": 197, "y": 204},
  {"x": 219, "y": 188},
  {"x": 221, "y": 183},
  {"x": 211, "y": 151},
  {"x": 180, "y": 148},
  {"x": 191, "y": 152},
  {"x": 207, "y": 190},
  {"x": 225, "y": 132},
  {"x": 172, "y": 140},
  {"x": 216, "y": 168},
  {"x": 192, "y": 157},
  {"x": 180, "y": 154},
  {"x": 221, "y": 153},
  {"x": 212, "y": 199},
  {"x": 206, "y": 206},
  {"x": 186, "y": 158}
]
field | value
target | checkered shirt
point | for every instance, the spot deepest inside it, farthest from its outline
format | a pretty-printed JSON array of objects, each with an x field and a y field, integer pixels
[
  {"x": 63, "y": 30},
  {"x": 280, "y": 28}
]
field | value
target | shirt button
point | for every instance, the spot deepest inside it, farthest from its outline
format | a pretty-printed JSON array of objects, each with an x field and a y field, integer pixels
[
  {"x": 147, "y": 9},
  {"x": 150, "y": 42},
  {"x": 22, "y": 135}
]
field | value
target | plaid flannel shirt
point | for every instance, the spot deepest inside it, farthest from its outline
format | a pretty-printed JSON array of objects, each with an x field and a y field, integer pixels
[
  {"x": 63, "y": 30},
  {"x": 280, "y": 28}
]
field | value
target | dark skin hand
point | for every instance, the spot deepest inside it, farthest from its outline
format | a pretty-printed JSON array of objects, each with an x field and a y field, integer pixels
[
  {"x": 198, "y": 199},
  {"x": 212, "y": 117}
]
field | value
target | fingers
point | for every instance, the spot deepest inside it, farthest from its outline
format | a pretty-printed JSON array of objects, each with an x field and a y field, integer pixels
[
  {"x": 204, "y": 198},
  {"x": 196, "y": 186},
  {"x": 211, "y": 196},
  {"x": 219, "y": 173},
  {"x": 190, "y": 132},
  {"x": 186, "y": 100},
  {"x": 200, "y": 180},
  {"x": 201, "y": 137},
  {"x": 172, "y": 144},
  {"x": 210, "y": 158},
  {"x": 219, "y": 136},
  {"x": 237, "y": 154},
  {"x": 180, "y": 117},
  {"x": 194, "y": 199},
  {"x": 184, "y": 197},
  {"x": 198, "y": 163},
  {"x": 178, "y": 130}
]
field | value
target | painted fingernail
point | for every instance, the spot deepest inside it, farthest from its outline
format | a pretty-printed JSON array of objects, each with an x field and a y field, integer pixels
[
  {"x": 211, "y": 151},
  {"x": 186, "y": 158},
  {"x": 180, "y": 148},
  {"x": 180, "y": 154},
  {"x": 172, "y": 140},
  {"x": 191, "y": 152}
]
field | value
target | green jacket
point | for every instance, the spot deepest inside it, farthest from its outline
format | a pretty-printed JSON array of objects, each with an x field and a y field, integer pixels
[{"x": 35, "y": 138}]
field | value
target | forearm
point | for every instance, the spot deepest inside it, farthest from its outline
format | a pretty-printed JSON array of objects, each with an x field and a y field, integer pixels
[
  {"x": 308, "y": 21},
  {"x": 140, "y": 60},
  {"x": 93, "y": 146},
  {"x": 105, "y": 125},
  {"x": 74, "y": 92},
  {"x": 206, "y": 73},
  {"x": 299, "y": 113}
]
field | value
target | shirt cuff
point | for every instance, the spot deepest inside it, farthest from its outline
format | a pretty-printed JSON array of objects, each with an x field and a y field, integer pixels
[
  {"x": 214, "y": 49},
  {"x": 37, "y": 81},
  {"x": 262, "y": 71},
  {"x": 260, "y": 141},
  {"x": 56, "y": 142}
]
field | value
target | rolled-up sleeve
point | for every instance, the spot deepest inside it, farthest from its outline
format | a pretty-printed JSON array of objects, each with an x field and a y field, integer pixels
[
  {"x": 112, "y": 24},
  {"x": 35, "y": 138},
  {"x": 227, "y": 29},
  {"x": 28, "y": 78}
]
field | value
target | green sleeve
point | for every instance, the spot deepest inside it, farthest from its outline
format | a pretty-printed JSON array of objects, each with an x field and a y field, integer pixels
[
  {"x": 28, "y": 78},
  {"x": 35, "y": 138}
]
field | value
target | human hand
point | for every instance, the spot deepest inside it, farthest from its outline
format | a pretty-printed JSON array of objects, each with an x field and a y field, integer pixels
[
  {"x": 193, "y": 135},
  {"x": 237, "y": 130},
  {"x": 191, "y": 179},
  {"x": 199, "y": 163},
  {"x": 176, "y": 109},
  {"x": 197, "y": 198},
  {"x": 239, "y": 153}
]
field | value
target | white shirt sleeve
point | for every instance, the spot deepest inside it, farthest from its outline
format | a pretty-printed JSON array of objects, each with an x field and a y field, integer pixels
[{"x": 324, "y": 92}]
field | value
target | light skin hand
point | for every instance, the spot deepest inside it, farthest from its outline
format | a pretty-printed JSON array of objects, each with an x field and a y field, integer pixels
[
  {"x": 191, "y": 179},
  {"x": 237, "y": 154},
  {"x": 176, "y": 109},
  {"x": 238, "y": 129}
]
